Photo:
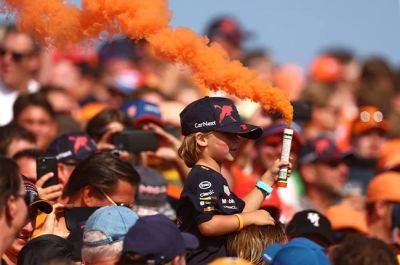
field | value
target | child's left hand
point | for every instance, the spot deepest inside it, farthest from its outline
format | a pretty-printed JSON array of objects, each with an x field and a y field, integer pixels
[{"x": 271, "y": 175}]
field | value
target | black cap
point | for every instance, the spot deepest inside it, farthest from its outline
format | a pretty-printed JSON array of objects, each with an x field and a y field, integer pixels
[
  {"x": 321, "y": 149},
  {"x": 227, "y": 28},
  {"x": 33, "y": 200},
  {"x": 158, "y": 238},
  {"x": 216, "y": 114},
  {"x": 310, "y": 223},
  {"x": 72, "y": 147}
]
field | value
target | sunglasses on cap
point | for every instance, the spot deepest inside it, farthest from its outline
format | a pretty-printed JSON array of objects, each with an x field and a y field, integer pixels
[{"x": 16, "y": 56}]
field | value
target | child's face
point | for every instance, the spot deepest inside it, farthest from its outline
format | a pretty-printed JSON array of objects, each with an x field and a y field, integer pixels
[{"x": 222, "y": 147}]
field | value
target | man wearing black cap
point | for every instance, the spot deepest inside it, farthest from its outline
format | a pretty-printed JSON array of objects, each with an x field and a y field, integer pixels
[
  {"x": 324, "y": 173},
  {"x": 35, "y": 204},
  {"x": 69, "y": 149},
  {"x": 311, "y": 224}
]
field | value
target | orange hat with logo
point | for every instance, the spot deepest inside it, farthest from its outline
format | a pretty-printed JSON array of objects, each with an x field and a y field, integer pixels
[
  {"x": 344, "y": 216},
  {"x": 384, "y": 187},
  {"x": 369, "y": 118}
]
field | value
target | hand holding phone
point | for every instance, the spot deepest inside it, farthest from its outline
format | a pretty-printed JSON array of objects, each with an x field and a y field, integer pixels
[{"x": 47, "y": 173}]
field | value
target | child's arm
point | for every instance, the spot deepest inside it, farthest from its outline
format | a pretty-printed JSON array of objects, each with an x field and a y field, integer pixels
[
  {"x": 226, "y": 224},
  {"x": 255, "y": 198}
]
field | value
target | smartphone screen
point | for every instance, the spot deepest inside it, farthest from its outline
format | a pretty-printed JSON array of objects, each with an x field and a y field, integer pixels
[
  {"x": 136, "y": 141},
  {"x": 44, "y": 165}
]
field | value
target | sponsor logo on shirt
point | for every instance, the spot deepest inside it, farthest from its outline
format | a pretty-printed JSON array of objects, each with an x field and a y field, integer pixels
[
  {"x": 228, "y": 201},
  {"x": 202, "y": 203},
  {"x": 226, "y": 190},
  {"x": 205, "y": 185},
  {"x": 205, "y": 124},
  {"x": 232, "y": 207},
  {"x": 208, "y": 193},
  {"x": 209, "y": 198}
]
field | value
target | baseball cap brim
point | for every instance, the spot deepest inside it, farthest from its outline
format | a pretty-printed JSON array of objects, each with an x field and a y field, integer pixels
[
  {"x": 270, "y": 252},
  {"x": 242, "y": 129},
  {"x": 191, "y": 242},
  {"x": 42, "y": 205}
]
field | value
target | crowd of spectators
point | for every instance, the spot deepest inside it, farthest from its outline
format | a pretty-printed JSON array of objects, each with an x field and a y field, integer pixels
[{"x": 122, "y": 189}]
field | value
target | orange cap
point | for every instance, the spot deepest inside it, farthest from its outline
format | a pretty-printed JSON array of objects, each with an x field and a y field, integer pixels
[
  {"x": 384, "y": 187},
  {"x": 90, "y": 110},
  {"x": 326, "y": 68},
  {"x": 344, "y": 216},
  {"x": 369, "y": 118},
  {"x": 230, "y": 261}
]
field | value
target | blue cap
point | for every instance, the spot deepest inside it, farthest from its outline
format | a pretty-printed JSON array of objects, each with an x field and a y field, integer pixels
[
  {"x": 158, "y": 238},
  {"x": 113, "y": 221},
  {"x": 300, "y": 251},
  {"x": 141, "y": 110},
  {"x": 72, "y": 147},
  {"x": 279, "y": 126}
]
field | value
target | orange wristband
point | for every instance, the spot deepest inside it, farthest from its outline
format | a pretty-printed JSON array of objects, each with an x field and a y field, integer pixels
[{"x": 241, "y": 222}]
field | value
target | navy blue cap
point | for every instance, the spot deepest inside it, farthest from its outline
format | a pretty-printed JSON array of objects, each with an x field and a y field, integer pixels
[
  {"x": 321, "y": 149},
  {"x": 278, "y": 127},
  {"x": 158, "y": 238},
  {"x": 310, "y": 223},
  {"x": 72, "y": 147},
  {"x": 227, "y": 28},
  {"x": 141, "y": 111},
  {"x": 300, "y": 251},
  {"x": 216, "y": 114}
]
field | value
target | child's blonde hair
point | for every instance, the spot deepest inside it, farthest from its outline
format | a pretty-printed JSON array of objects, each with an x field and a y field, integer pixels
[
  {"x": 189, "y": 150},
  {"x": 250, "y": 243}
]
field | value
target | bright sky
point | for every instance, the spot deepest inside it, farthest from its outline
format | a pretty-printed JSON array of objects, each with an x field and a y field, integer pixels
[{"x": 295, "y": 30}]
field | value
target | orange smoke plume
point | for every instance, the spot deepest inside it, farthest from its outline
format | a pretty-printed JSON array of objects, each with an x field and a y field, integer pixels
[
  {"x": 213, "y": 69},
  {"x": 53, "y": 21},
  {"x": 59, "y": 24}
]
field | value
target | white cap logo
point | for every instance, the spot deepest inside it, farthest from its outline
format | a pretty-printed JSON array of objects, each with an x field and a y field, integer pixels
[{"x": 313, "y": 218}]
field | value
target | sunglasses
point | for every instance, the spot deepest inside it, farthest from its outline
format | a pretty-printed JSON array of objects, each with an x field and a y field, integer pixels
[
  {"x": 16, "y": 56},
  {"x": 130, "y": 206},
  {"x": 334, "y": 164}
]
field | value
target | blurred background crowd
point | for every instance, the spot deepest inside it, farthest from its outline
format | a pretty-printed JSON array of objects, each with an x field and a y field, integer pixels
[{"x": 345, "y": 150}]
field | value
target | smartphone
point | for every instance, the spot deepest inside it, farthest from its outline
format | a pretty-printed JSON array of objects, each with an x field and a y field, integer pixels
[
  {"x": 76, "y": 217},
  {"x": 44, "y": 165},
  {"x": 136, "y": 141}
]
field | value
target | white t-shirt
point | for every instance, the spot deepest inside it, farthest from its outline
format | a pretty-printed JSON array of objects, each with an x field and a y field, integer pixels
[{"x": 7, "y": 98}]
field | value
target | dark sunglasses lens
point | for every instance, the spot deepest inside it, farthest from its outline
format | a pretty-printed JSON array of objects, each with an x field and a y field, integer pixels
[{"x": 16, "y": 56}]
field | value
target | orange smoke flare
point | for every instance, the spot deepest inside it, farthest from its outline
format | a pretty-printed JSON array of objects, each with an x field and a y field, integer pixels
[
  {"x": 213, "y": 69},
  {"x": 58, "y": 23}
]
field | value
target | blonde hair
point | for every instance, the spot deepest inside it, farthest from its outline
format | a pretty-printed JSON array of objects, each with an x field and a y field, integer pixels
[
  {"x": 250, "y": 243},
  {"x": 189, "y": 150}
]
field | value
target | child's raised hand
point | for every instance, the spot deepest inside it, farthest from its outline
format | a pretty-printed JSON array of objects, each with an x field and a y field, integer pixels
[
  {"x": 271, "y": 175},
  {"x": 258, "y": 217}
]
